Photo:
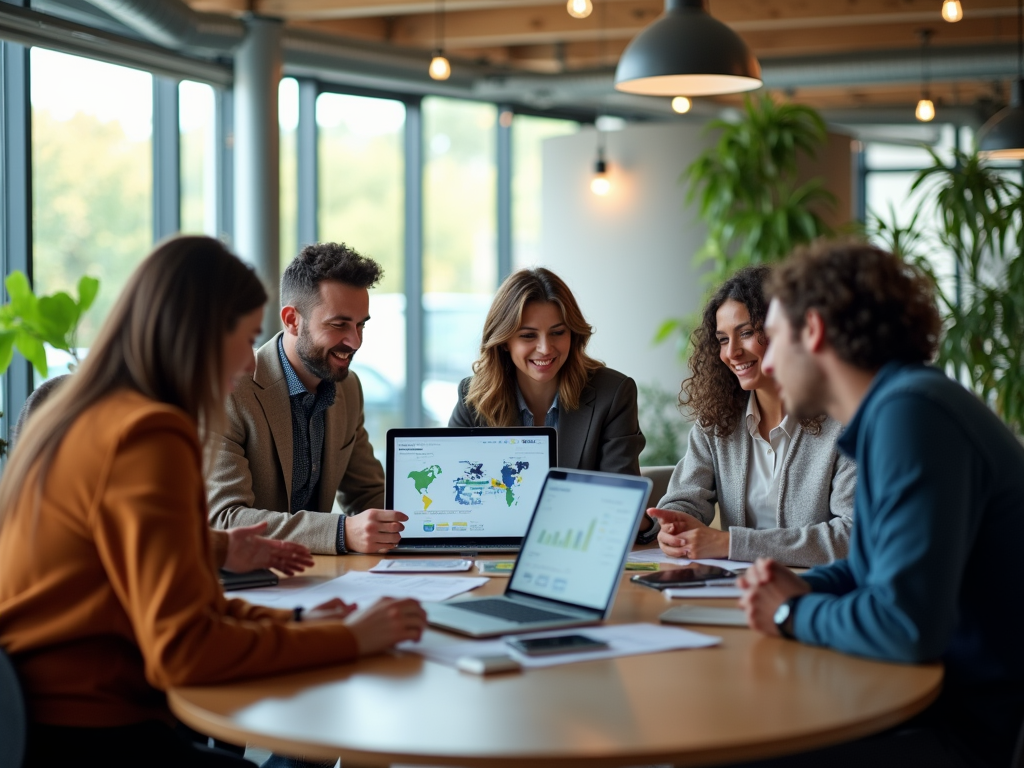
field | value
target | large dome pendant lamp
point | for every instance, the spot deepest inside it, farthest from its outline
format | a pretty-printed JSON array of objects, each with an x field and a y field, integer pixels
[
  {"x": 1002, "y": 137},
  {"x": 686, "y": 51}
]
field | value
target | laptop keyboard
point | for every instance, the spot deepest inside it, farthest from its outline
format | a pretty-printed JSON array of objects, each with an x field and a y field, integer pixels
[{"x": 505, "y": 609}]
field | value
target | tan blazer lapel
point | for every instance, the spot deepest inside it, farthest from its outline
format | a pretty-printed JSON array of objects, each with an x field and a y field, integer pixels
[
  {"x": 574, "y": 428},
  {"x": 272, "y": 393}
]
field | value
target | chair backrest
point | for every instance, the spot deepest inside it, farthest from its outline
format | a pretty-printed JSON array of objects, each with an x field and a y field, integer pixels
[
  {"x": 660, "y": 477},
  {"x": 13, "y": 718}
]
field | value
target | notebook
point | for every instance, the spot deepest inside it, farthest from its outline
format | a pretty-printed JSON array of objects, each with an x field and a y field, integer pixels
[
  {"x": 466, "y": 490},
  {"x": 571, "y": 561}
]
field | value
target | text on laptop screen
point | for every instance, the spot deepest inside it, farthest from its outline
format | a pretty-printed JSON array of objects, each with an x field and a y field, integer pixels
[
  {"x": 469, "y": 486},
  {"x": 574, "y": 549}
]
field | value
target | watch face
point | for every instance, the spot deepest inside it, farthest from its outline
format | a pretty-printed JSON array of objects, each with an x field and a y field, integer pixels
[{"x": 781, "y": 614}]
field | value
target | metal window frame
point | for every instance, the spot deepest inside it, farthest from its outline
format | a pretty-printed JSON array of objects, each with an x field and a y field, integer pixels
[
  {"x": 166, "y": 149},
  {"x": 16, "y": 188}
]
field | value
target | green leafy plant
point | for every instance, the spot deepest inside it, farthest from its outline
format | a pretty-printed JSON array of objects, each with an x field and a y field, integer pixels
[
  {"x": 28, "y": 322},
  {"x": 981, "y": 227},
  {"x": 748, "y": 195}
]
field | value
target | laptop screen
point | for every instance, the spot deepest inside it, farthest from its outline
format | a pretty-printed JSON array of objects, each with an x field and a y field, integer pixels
[
  {"x": 467, "y": 483},
  {"x": 578, "y": 540}
]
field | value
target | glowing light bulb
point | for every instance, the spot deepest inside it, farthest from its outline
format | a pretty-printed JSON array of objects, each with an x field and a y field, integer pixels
[
  {"x": 440, "y": 69},
  {"x": 951, "y": 10},
  {"x": 579, "y": 9},
  {"x": 600, "y": 185},
  {"x": 681, "y": 105},
  {"x": 925, "y": 111}
]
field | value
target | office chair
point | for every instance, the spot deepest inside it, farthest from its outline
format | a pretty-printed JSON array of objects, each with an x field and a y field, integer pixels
[{"x": 13, "y": 719}]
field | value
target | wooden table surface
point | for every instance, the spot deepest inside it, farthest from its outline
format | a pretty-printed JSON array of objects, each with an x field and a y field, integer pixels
[{"x": 752, "y": 696}]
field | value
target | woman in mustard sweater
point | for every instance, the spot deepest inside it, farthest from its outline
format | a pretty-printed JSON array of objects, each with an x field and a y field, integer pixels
[{"x": 108, "y": 590}]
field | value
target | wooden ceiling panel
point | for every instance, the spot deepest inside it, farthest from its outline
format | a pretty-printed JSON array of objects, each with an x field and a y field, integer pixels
[{"x": 538, "y": 36}]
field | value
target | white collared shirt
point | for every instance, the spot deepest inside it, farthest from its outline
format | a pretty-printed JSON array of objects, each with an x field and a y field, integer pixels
[{"x": 765, "y": 470}]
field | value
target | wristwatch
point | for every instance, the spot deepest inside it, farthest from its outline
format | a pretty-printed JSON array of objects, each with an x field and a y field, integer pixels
[
  {"x": 646, "y": 537},
  {"x": 783, "y": 618}
]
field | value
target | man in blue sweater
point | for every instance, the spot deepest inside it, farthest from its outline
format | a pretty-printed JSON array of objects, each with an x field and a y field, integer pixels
[{"x": 939, "y": 507}]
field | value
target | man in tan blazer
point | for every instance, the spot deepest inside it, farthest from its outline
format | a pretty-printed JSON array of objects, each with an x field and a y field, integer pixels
[{"x": 294, "y": 439}]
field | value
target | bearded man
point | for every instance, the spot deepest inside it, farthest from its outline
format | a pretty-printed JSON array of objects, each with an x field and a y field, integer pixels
[{"x": 294, "y": 439}]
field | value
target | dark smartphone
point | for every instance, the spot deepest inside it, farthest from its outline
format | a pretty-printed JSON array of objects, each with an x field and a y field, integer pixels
[
  {"x": 693, "y": 575},
  {"x": 541, "y": 646}
]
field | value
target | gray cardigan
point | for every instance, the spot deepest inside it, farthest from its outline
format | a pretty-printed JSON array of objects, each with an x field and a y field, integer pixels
[{"x": 815, "y": 507}]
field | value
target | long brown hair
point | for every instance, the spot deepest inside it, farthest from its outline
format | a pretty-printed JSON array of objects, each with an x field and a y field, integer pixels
[
  {"x": 712, "y": 393},
  {"x": 163, "y": 338},
  {"x": 492, "y": 391}
]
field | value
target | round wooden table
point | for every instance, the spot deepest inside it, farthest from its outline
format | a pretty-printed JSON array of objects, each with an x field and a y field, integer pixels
[{"x": 750, "y": 697}]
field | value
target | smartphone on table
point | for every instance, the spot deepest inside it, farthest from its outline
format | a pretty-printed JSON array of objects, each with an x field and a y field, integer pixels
[
  {"x": 543, "y": 646},
  {"x": 693, "y": 575}
]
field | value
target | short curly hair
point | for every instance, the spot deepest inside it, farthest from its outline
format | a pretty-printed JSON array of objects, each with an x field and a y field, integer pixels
[
  {"x": 876, "y": 308},
  {"x": 300, "y": 284}
]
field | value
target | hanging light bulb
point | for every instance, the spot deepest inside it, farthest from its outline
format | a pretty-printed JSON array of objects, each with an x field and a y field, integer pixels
[
  {"x": 951, "y": 10},
  {"x": 440, "y": 68},
  {"x": 925, "y": 111},
  {"x": 579, "y": 9},
  {"x": 600, "y": 185},
  {"x": 681, "y": 105}
]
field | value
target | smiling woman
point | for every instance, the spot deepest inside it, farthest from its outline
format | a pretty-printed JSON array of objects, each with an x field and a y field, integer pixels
[
  {"x": 533, "y": 370},
  {"x": 783, "y": 489}
]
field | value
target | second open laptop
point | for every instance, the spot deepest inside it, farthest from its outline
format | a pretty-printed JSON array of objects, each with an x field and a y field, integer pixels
[
  {"x": 571, "y": 561},
  {"x": 466, "y": 490}
]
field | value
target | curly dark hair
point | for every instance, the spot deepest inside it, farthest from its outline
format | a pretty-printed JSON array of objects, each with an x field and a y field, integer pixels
[
  {"x": 712, "y": 394},
  {"x": 876, "y": 308},
  {"x": 300, "y": 283}
]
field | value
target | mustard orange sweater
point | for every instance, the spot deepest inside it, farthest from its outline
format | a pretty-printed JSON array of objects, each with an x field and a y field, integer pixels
[{"x": 108, "y": 591}]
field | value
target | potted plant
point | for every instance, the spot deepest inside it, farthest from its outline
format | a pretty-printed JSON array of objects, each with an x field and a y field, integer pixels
[
  {"x": 748, "y": 194},
  {"x": 29, "y": 322},
  {"x": 980, "y": 226}
]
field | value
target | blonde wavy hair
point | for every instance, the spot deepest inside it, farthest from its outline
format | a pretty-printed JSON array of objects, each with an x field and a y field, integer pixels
[{"x": 492, "y": 390}]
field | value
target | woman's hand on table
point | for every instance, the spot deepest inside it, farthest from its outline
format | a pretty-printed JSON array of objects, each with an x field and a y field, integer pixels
[
  {"x": 386, "y": 623},
  {"x": 248, "y": 550},
  {"x": 335, "y": 608},
  {"x": 683, "y": 535}
]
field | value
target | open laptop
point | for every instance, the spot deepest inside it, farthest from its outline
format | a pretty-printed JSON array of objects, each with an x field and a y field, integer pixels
[
  {"x": 466, "y": 490},
  {"x": 571, "y": 561}
]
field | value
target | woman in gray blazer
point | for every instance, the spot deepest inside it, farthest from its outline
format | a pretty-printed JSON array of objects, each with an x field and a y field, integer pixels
[
  {"x": 533, "y": 370},
  {"x": 783, "y": 488}
]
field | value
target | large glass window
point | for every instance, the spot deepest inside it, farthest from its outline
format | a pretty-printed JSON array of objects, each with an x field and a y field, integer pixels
[
  {"x": 197, "y": 140},
  {"x": 362, "y": 204},
  {"x": 92, "y": 177},
  {"x": 528, "y": 135},
  {"x": 460, "y": 243}
]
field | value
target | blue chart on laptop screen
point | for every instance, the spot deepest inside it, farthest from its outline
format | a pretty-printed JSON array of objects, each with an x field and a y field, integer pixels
[{"x": 472, "y": 486}]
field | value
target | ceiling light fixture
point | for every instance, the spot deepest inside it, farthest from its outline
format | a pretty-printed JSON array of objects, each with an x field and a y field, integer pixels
[
  {"x": 440, "y": 68},
  {"x": 599, "y": 183},
  {"x": 579, "y": 9},
  {"x": 951, "y": 10},
  {"x": 925, "y": 111},
  {"x": 687, "y": 51},
  {"x": 681, "y": 105},
  {"x": 1002, "y": 137}
]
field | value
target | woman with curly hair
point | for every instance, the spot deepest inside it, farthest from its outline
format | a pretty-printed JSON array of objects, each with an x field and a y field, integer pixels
[
  {"x": 783, "y": 489},
  {"x": 533, "y": 370}
]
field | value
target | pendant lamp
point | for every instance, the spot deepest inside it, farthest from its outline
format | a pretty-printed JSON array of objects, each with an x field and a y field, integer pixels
[
  {"x": 1002, "y": 137},
  {"x": 687, "y": 51}
]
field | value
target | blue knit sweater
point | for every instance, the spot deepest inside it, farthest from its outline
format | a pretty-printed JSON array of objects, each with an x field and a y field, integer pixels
[{"x": 933, "y": 572}]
